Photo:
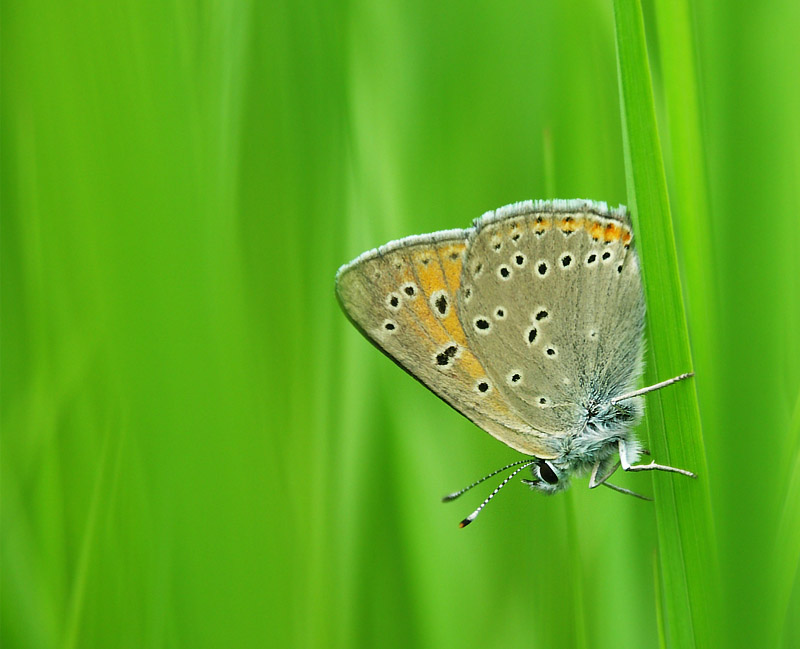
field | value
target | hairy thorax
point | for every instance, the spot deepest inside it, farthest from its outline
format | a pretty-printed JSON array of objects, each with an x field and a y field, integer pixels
[{"x": 595, "y": 442}]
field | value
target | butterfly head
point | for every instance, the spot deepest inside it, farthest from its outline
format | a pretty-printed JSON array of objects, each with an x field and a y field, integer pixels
[{"x": 548, "y": 477}]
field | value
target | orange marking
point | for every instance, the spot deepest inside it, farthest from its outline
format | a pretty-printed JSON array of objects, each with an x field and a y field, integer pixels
[
  {"x": 430, "y": 275},
  {"x": 542, "y": 224},
  {"x": 429, "y": 322},
  {"x": 452, "y": 275},
  {"x": 419, "y": 305},
  {"x": 453, "y": 326},
  {"x": 498, "y": 404},
  {"x": 569, "y": 224},
  {"x": 595, "y": 230},
  {"x": 452, "y": 267},
  {"x": 626, "y": 238},
  {"x": 612, "y": 232},
  {"x": 471, "y": 365},
  {"x": 428, "y": 279},
  {"x": 407, "y": 324},
  {"x": 432, "y": 279}
]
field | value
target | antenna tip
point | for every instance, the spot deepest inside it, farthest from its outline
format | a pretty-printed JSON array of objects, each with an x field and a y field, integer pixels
[
  {"x": 450, "y": 497},
  {"x": 470, "y": 518}
]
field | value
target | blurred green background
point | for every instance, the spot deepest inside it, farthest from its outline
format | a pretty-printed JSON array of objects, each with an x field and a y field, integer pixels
[{"x": 199, "y": 451}]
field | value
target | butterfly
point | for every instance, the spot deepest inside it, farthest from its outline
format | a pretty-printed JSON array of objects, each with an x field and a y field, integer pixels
[{"x": 530, "y": 324}]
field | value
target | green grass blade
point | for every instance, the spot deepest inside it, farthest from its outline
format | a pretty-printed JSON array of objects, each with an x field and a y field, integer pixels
[
  {"x": 662, "y": 633},
  {"x": 683, "y": 511},
  {"x": 690, "y": 202}
]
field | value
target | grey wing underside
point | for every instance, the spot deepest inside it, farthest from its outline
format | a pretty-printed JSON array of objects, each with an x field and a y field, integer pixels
[
  {"x": 403, "y": 298},
  {"x": 566, "y": 279}
]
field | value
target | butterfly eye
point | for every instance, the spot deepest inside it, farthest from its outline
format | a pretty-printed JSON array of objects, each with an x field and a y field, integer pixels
[{"x": 547, "y": 473}]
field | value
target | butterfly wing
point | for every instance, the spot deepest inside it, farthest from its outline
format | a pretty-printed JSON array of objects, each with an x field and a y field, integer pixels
[
  {"x": 551, "y": 293},
  {"x": 402, "y": 297}
]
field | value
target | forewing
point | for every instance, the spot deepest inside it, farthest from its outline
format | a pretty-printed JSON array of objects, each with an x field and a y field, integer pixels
[
  {"x": 402, "y": 297},
  {"x": 558, "y": 285}
]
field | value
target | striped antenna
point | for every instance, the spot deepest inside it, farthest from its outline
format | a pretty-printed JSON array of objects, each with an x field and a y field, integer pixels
[
  {"x": 474, "y": 514},
  {"x": 456, "y": 494}
]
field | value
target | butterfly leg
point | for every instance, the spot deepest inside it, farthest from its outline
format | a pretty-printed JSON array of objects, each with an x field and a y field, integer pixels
[
  {"x": 650, "y": 388},
  {"x": 594, "y": 482},
  {"x": 627, "y": 466}
]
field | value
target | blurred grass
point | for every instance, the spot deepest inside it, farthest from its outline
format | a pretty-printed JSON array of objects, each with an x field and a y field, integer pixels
[
  {"x": 197, "y": 450},
  {"x": 785, "y": 567}
]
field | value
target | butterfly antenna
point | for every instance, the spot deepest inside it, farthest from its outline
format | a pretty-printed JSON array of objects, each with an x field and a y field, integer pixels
[
  {"x": 474, "y": 514},
  {"x": 456, "y": 494},
  {"x": 650, "y": 388}
]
